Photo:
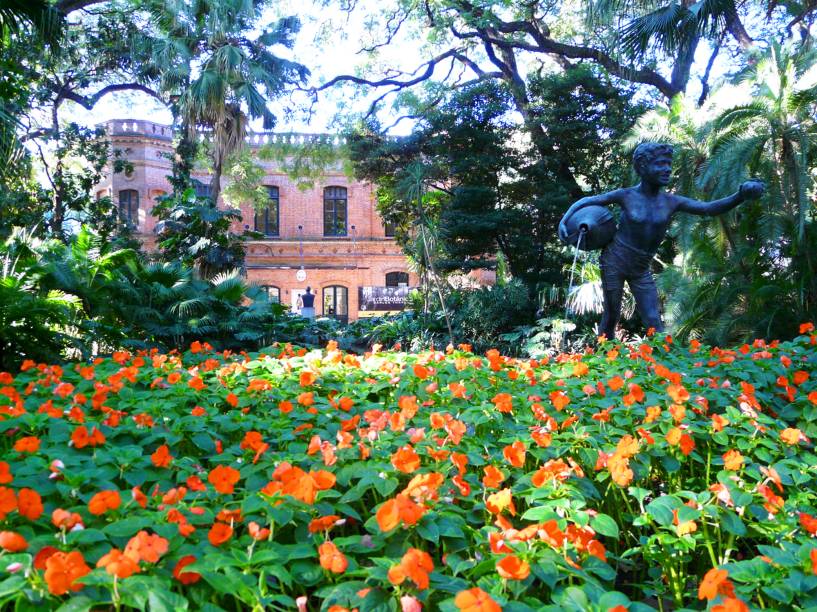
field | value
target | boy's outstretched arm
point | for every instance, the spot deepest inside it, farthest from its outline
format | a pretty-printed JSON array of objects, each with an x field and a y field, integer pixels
[
  {"x": 603, "y": 199},
  {"x": 750, "y": 190}
]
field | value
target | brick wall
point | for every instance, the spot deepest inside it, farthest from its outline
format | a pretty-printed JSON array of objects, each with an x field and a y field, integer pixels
[{"x": 361, "y": 258}]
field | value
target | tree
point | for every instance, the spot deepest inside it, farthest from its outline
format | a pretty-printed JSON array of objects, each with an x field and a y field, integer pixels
[
  {"x": 496, "y": 192},
  {"x": 195, "y": 232},
  {"x": 749, "y": 273},
  {"x": 220, "y": 76}
]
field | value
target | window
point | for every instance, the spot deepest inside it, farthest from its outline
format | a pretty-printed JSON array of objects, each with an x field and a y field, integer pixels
[
  {"x": 397, "y": 279},
  {"x": 390, "y": 229},
  {"x": 203, "y": 190},
  {"x": 266, "y": 221},
  {"x": 273, "y": 293},
  {"x": 336, "y": 302},
  {"x": 129, "y": 206},
  {"x": 334, "y": 211}
]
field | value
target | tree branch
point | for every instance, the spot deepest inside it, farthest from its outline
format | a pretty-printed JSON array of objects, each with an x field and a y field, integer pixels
[
  {"x": 430, "y": 65},
  {"x": 88, "y": 102},
  {"x": 67, "y": 6},
  {"x": 390, "y": 33},
  {"x": 735, "y": 27}
]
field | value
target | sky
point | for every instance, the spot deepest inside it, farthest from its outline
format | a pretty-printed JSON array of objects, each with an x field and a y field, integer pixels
[
  {"x": 324, "y": 60},
  {"x": 337, "y": 53}
]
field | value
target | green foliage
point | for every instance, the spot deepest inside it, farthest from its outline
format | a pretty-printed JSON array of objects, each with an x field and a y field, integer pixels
[
  {"x": 653, "y": 476},
  {"x": 34, "y": 320},
  {"x": 194, "y": 231},
  {"x": 496, "y": 191},
  {"x": 246, "y": 178},
  {"x": 750, "y": 272},
  {"x": 482, "y": 315},
  {"x": 307, "y": 162}
]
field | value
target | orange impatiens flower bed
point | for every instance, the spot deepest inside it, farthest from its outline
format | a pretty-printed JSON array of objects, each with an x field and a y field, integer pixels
[{"x": 631, "y": 477}]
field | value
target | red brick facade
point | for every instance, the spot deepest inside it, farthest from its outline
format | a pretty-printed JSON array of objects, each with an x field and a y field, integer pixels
[{"x": 361, "y": 258}]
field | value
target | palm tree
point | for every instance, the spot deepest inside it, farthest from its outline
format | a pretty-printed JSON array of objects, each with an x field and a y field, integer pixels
[
  {"x": 750, "y": 272},
  {"x": 219, "y": 76}
]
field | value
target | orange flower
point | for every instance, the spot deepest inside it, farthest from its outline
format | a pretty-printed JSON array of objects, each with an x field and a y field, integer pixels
[
  {"x": 65, "y": 520},
  {"x": 29, "y": 504},
  {"x": 11, "y": 541},
  {"x": 306, "y": 399},
  {"x": 219, "y": 533},
  {"x": 323, "y": 523},
  {"x": 146, "y": 546},
  {"x": 406, "y": 460},
  {"x": 332, "y": 559},
  {"x": 791, "y": 436},
  {"x": 653, "y": 412},
  {"x": 687, "y": 444},
  {"x": 81, "y": 438},
  {"x": 730, "y": 604},
  {"x": 620, "y": 471},
  {"x": 104, "y": 501},
  {"x": 493, "y": 477},
  {"x": 732, "y": 460},
  {"x": 559, "y": 400},
  {"x": 553, "y": 469},
  {"x": 503, "y": 402},
  {"x": 515, "y": 453},
  {"x": 476, "y": 600},
  {"x": 119, "y": 564},
  {"x": 161, "y": 457},
  {"x": 420, "y": 371},
  {"x": 674, "y": 436},
  {"x": 400, "y": 509},
  {"x": 719, "y": 422},
  {"x": 424, "y": 486},
  {"x": 5, "y": 473},
  {"x": 415, "y": 565},
  {"x": 29, "y": 444},
  {"x": 500, "y": 500},
  {"x": 196, "y": 383},
  {"x": 813, "y": 556},
  {"x": 678, "y": 393},
  {"x": 256, "y": 531},
  {"x": 307, "y": 378},
  {"x": 181, "y": 575},
  {"x": 512, "y": 567},
  {"x": 615, "y": 383},
  {"x": 457, "y": 389},
  {"x": 223, "y": 479},
  {"x": 62, "y": 570},
  {"x": 713, "y": 584},
  {"x": 809, "y": 523}
]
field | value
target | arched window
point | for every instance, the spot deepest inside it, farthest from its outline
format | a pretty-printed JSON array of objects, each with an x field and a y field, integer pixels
[
  {"x": 129, "y": 206},
  {"x": 390, "y": 230},
  {"x": 266, "y": 220},
  {"x": 273, "y": 293},
  {"x": 397, "y": 279},
  {"x": 334, "y": 211},
  {"x": 336, "y": 302}
]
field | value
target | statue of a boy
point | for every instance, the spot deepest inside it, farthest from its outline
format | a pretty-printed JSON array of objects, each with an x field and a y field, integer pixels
[{"x": 646, "y": 214}]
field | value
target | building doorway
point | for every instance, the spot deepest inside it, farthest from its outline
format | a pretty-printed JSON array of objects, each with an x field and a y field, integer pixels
[
  {"x": 296, "y": 300},
  {"x": 336, "y": 302}
]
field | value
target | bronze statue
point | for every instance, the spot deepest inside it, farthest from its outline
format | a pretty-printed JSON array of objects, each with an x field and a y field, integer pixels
[{"x": 646, "y": 214}]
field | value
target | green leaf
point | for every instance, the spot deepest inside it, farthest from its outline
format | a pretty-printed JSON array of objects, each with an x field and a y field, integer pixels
[
  {"x": 127, "y": 527},
  {"x": 605, "y": 525}
]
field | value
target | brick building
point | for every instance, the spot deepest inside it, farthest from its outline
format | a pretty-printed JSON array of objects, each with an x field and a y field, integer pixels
[{"x": 329, "y": 238}]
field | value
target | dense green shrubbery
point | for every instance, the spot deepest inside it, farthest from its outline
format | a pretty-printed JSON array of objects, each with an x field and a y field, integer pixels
[{"x": 88, "y": 298}]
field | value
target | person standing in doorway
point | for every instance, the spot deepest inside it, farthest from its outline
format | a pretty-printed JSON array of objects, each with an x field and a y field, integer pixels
[{"x": 307, "y": 304}]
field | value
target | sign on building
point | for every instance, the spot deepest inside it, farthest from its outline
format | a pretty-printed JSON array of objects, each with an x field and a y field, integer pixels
[{"x": 377, "y": 301}]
